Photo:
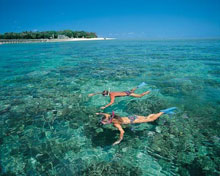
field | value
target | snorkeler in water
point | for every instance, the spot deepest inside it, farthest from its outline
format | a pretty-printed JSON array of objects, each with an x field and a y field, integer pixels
[
  {"x": 112, "y": 95},
  {"x": 117, "y": 121}
]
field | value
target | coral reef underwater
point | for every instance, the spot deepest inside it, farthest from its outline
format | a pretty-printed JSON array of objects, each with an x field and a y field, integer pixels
[{"x": 49, "y": 126}]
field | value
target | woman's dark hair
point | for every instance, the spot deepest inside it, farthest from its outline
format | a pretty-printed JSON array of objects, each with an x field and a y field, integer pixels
[
  {"x": 118, "y": 118},
  {"x": 105, "y": 92}
]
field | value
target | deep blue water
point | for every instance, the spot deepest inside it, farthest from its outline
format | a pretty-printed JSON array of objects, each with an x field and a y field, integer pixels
[{"x": 49, "y": 126}]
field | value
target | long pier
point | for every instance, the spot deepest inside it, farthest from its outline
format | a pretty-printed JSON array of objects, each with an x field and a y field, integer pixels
[{"x": 5, "y": 41}]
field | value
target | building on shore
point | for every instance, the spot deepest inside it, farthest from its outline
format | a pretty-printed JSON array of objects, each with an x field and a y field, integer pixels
[{"x": 62, "y": 37}]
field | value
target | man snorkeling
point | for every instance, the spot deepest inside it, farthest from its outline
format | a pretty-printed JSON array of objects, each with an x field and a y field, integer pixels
[
  {"x": 117, "y": 121},
  {"x": 112, "y": 95}
]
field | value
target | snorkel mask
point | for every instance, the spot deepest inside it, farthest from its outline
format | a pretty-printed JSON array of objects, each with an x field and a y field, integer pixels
[
  {"x": 105, "y": 121},
  {"x": 105, "y": 93}
]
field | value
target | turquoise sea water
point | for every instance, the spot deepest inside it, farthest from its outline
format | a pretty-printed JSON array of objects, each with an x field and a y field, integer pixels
[{"x": 49, "y": 126}]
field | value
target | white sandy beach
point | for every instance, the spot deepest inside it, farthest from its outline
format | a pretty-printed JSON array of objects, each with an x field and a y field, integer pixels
[{"x": 78, "y": 39}]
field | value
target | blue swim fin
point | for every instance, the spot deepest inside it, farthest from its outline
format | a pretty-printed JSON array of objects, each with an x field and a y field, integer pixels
[
  {"x": 168, "y": 110},
  {"x": 141, "y": 85}
]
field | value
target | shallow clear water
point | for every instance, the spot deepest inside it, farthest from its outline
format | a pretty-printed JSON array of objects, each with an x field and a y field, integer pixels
[{"x": 49, "y": 126}]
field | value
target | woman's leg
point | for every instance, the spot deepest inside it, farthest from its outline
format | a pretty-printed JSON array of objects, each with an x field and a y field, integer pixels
[
  {"x": 150, "y": 118},
  {"x": 139, "y": 95}
]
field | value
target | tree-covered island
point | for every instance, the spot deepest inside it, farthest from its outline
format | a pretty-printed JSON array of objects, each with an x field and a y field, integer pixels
[{"x": 48, "y": 35}]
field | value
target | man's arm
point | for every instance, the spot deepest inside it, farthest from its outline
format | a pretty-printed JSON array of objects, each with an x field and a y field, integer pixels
[
  {"x": 92, "y": 94},
  {"x": 111, "y": 102},
  {"x": 121, "y": 133}
]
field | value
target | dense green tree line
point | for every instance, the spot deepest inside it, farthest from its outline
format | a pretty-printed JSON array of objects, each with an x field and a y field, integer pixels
[{"x": 47, "y": 34}]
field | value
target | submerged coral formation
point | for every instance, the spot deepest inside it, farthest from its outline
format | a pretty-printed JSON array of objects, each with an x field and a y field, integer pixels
[{"x": 49, "y": 126}]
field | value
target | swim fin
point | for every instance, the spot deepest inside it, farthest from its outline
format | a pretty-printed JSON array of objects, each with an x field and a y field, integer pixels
[
  {"x": 168, "y": 110},
  {"x": 141, "y": 85}
]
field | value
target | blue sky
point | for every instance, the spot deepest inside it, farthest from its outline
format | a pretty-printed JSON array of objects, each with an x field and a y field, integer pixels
[{"x": 115, "y": 18}]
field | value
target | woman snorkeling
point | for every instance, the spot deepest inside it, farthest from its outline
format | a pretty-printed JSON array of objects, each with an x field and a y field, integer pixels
[
  {"x": 117, "y": 121},
  {"x": 112, "y": 95}
]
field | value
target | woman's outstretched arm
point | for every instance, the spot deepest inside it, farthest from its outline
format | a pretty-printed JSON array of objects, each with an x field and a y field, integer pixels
[
  {"x": 100, "y": 113},
  {"x": 121, "y": 133}
]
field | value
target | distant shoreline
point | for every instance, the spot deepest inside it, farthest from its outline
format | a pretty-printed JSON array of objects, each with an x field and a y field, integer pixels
[{"x": 12, "y": 41}]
